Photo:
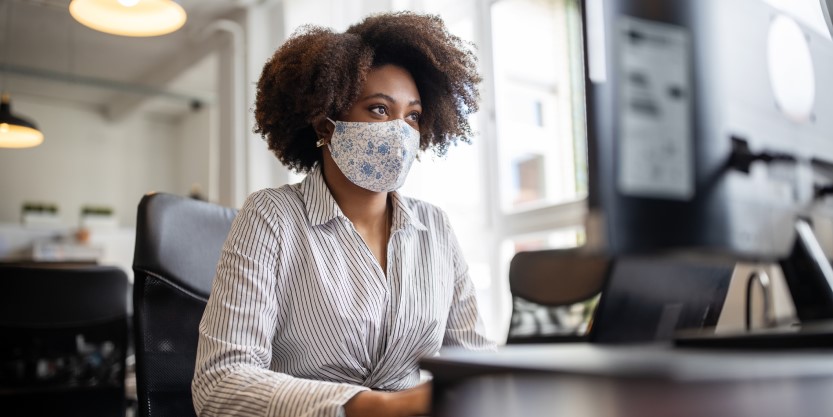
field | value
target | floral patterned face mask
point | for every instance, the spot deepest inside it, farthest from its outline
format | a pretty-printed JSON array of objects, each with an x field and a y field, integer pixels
[{"x": 374, "y": 155}]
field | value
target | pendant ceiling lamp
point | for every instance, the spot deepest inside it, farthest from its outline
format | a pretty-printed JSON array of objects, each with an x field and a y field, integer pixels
[
  {"x": 16, "y": 132},
  {"x": 129, "y": 17}
]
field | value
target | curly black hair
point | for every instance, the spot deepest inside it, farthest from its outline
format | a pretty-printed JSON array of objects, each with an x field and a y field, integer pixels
[{"x": 318, "y": 73}]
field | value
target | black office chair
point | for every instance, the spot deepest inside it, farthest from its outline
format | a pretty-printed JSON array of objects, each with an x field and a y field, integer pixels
[
  {"x": 544, "y": 284},
  {"x": 64, "y": 340},
  {"x": 178, "y": 243}
]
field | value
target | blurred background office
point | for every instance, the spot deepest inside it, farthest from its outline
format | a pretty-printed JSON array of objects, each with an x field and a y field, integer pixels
[{"x": 122, "y": 116}]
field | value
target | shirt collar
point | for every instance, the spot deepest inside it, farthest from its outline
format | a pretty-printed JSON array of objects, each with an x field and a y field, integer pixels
[
  {"x": 403, "y": 216},
  {"x": 322, "y": 207}
]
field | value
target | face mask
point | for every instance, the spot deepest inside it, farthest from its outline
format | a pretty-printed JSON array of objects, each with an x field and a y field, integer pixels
[{"x": 374, "y": 155}]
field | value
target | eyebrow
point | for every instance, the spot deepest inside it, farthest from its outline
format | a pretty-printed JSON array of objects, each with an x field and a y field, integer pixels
[{"x": 390, "y": 99}]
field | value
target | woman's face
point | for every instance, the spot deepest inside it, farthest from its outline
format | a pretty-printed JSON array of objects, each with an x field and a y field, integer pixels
[{"x": 389, "y": 93}]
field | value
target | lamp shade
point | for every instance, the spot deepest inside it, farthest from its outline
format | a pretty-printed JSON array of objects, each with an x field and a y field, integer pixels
[
  {"x": 129, "y": 17},
  {"x": 16, "y": 132}
]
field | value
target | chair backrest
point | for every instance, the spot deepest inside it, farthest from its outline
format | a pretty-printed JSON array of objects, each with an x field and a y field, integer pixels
[
  {"x": 178, "y": 243},
  {"x": 545, "y": 283},
  {"x": 64, "y": 340}
]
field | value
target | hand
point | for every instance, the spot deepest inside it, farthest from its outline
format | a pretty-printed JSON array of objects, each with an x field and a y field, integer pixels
[{"x": 411, "y": 402}]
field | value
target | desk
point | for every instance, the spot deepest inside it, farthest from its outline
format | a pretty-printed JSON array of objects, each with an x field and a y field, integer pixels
[{"x": 640, "y": 381}]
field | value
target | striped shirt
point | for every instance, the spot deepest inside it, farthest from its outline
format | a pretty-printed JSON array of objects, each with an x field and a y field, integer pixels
[{"x": 301, "y": 316}]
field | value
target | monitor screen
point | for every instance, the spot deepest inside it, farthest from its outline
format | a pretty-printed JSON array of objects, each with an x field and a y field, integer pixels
[
  {"x": 641, "y": 304},
  {"x": 710, "y": 128}
]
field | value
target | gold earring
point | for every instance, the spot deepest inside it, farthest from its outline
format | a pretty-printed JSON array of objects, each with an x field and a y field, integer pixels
[{"x": 321, "y": 142}]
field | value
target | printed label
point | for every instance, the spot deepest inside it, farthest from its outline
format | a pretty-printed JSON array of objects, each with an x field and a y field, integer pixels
[{"x": 655, "y": 138}]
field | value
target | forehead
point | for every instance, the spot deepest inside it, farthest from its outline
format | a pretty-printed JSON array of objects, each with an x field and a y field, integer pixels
[{"x": 392, "y": 80}]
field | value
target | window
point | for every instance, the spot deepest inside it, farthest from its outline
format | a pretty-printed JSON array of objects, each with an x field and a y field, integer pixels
[
  {"x": 538, "y": 150},
  {"x": 539, "y": 142}
]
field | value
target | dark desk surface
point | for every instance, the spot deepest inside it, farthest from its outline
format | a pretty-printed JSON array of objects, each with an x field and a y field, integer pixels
[{"x": 587, "y": 380}]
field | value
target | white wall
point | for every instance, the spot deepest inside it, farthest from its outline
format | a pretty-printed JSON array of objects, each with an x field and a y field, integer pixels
[
  {"x": 335, "y": 14},
  {"x": 265, "y": 32},
  {"x": 197, "y": 152},
  {"x": 86, "y": 160}
]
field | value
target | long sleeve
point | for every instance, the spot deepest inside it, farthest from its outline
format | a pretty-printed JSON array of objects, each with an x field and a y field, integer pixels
[
  {"x": 465, "y": 327},
  {"x": 232, "y": 375}
]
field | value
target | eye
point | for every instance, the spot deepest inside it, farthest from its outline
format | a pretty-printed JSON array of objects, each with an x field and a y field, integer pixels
[
  {"x": 414, "y": 116},
  {"x": 380, "y": 110}
]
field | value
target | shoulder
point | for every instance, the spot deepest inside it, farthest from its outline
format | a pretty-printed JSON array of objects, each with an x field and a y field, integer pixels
[
  {"x": 286, "y": 194},
  {"x": 272, "y": 202},
  {"x": 433, "y": 217}
]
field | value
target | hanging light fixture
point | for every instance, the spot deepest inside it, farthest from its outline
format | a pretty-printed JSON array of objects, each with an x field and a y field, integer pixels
[
  {"x": 129, "y": 17},
  {"x": 16, "y": 132}
]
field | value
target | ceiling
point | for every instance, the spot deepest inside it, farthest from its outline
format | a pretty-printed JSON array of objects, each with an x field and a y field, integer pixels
[{"x": 47, "y": 54}]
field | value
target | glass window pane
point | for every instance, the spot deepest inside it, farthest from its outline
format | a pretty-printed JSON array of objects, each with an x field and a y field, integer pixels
[
  {"x": 539, "y": 157},
  {"x": 551, "y": 239}
]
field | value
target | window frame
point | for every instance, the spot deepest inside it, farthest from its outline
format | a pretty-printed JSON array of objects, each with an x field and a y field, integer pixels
[{"x": 549, "y": 217}]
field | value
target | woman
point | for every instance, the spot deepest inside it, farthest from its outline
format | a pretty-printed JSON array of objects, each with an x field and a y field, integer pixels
[{"x": 328, "y": 292}]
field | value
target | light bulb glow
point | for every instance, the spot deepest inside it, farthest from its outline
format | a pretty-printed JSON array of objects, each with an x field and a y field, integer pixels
[
  {"x": 129, "y": 3},
  {"x": 14, "y": 136},
  {"x": 144, "y": 18}
]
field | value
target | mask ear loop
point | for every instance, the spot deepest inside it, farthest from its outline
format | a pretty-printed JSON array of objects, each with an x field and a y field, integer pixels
[{"x": 323, "y": 141}]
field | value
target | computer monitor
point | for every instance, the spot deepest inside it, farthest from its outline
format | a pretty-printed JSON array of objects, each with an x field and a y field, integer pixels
[
  {"x": 710, "y": 131},
  {"x": 640, "y": 304}
]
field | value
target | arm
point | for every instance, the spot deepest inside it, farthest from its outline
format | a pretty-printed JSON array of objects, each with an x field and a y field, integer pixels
[
  {"x": 232, "y": 375},
  {"x": 412, "y": 402},
  {"x": 464, "y": 327}
]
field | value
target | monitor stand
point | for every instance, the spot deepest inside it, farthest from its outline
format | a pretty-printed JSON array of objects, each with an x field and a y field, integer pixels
[{"x": 809, "y": 276}]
